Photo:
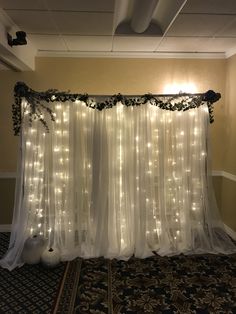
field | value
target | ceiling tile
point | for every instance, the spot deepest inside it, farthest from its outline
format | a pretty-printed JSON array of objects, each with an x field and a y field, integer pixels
[
  {"x": 82, "y": 5},
  {"x": 88, "y": 43},
  {"x": 228, "y": 31},
  {"x": 84, "y": 23},
  {"x": 196, "y": 44},
  {"x": 210, "y": 6},
  {"x": 22, "y": 4},
  {"x": 48, "y": 42},
  {"x": 64, "y": 5},
  {"x": 33, "y": 21},
  {"x": 198, "y": 24},
  {"x": 131, "y": 43}
]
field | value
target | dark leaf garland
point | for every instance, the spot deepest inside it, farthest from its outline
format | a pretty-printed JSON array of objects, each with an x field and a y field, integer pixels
[{"x": 36, "y": 109}]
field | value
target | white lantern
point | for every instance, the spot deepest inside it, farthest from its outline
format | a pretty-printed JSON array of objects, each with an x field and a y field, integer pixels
[
  {"x": 33, "y": 249},
  {"x": 50, "y": 257}
]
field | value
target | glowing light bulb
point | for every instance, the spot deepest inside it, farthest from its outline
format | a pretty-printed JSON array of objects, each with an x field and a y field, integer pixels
[
  {"x": 175, "y": 88},
  {"x": 195, "y": 131}
]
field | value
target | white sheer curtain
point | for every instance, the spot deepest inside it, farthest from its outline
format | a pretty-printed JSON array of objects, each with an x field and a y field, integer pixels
[{"x": 117, "y": 182}]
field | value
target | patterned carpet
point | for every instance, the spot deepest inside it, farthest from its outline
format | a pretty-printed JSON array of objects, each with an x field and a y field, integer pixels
[
  {"x": 178, "y": 284},
  {"x": 34, "y": 289}
]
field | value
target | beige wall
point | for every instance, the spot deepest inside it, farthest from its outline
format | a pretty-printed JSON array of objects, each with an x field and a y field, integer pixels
[
  {"x": 108, "y": 76},
  {"x": 230, "y": 124},
  {"x": 228, "y": 146},
  {"x": 228, "y": 202}
]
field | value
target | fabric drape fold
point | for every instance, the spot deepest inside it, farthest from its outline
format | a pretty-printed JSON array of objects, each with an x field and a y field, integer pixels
[{"x": 119, "y": 182}]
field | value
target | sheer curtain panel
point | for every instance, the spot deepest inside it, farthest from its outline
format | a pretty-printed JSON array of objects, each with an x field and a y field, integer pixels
[{"x": 115, "y": 183}]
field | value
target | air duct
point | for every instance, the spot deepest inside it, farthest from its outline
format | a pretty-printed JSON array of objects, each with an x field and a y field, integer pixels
[{"x": 142, "y": 15}]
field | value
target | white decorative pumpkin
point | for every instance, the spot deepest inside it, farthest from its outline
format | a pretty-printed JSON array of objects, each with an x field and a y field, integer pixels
[
  {"x": 50, "y": 257},
  {"x": 33, "y": 249}
]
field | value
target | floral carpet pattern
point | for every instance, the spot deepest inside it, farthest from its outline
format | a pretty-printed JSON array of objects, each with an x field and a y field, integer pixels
[
  {"x": 199, "y": 284},
  {"x": 177, "y": 284}
]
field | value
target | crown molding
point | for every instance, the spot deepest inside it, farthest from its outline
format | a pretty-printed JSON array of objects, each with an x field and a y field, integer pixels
[
  {"x": 230, "y": 53},
  {"x": 119, "y": 54}
]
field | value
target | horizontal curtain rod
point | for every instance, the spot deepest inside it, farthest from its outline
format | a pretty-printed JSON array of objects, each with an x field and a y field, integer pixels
[
  {"x": 22, "y": 90},
  {"x": 36, "y": 102}
]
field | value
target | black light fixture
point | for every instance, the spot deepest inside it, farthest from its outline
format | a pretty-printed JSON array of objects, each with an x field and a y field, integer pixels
[{"x": 19, "y": 40}]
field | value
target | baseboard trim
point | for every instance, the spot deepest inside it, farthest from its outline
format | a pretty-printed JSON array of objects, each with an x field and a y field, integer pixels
[
  {"x": 227, "y": 175},
  {"x": 230, "y": 232},
  {"x": 5, "y": 228},
  {"x": 7, "y": 175}
]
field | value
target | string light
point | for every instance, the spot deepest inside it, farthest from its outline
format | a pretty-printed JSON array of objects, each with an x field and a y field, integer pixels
[{"x": 179, "y": 194}]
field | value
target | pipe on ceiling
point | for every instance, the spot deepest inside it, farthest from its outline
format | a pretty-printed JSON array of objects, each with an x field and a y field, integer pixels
[{"x": 142, "y": 14}]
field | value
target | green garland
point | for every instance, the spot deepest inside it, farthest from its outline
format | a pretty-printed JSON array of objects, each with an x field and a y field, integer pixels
[{"x": 180, "y": 102}]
